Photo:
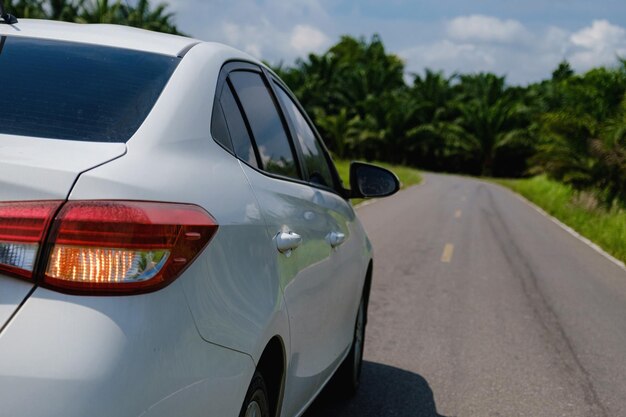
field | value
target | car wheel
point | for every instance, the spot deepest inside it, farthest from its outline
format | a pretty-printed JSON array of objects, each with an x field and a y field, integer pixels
[
  {"x": 348, "y": 375},
  {"x": 256, "y": 402}
]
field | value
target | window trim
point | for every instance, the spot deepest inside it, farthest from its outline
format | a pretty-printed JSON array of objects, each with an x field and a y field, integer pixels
[
  {"x": 257, "y": 155},
  {"x": 337, "y": 184},
  {"x": 217, "y": 103},
  {"x": 297, "y": 156},
  {"x": 268, "y": 77}
]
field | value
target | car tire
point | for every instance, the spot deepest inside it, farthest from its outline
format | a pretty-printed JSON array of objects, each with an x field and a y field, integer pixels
[
  {"x": 256, "y": 402},
  {"x": 347, "y": 379}
]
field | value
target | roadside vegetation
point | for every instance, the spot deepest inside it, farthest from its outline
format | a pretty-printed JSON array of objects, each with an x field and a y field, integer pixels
[{"x": 569, "y": 129}]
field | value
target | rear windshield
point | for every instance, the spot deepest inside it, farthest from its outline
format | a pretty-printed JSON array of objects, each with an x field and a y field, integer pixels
[{"x": 63, "y": 90}]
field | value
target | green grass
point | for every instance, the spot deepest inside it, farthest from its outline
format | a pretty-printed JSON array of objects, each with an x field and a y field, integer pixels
[
  {"x": 607, "y": 228},
  {"x": 408, "y": 176}
]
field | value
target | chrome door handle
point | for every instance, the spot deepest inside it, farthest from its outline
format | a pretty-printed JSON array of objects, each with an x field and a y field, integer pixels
[
  {"x": 336, "y": 239},
  {"x": 287, "y": 241}
]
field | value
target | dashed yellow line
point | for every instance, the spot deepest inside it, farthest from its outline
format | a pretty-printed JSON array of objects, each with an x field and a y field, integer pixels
[
  {"x": 457, "y": 215},
  {"x": 448, "y": 251}
]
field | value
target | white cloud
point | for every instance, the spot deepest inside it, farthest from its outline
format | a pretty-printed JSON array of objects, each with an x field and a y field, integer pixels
[
  {"x": 306, "y": 39},
  {"x": 598, "y": 44},
  {"x": 479, "y": 28},
  {"x": 482, "y": 43},
  {"x": 273, "y": 30},
  {"x": 601, "y": 33},
  {"x": 264, "y": 40}
]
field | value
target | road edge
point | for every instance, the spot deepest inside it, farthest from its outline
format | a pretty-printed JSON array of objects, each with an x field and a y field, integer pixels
[{"x": 567, "y": 228}]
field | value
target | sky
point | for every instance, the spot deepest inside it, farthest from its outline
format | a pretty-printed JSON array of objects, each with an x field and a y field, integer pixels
[{"x": 523, "y": 40}]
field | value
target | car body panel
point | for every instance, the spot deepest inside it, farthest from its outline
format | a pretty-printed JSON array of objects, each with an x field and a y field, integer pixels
[
  {"x": 230, "y": 307},
  {"x": 45, "y": 169},
  {"x": 321, "y": 289},
  {"x": 121, "y": 358},
  {"x": 12, "y": 293}
]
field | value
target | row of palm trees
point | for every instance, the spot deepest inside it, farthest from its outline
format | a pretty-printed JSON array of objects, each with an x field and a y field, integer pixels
[
  {"x": 361, "y": 103},
  {"x": 571, "y": 127},
  {"x": 138, "y": 14}
]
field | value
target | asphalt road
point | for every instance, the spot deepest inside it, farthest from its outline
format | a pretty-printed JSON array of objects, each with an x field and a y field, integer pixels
[{"x": 483, "y": 307}]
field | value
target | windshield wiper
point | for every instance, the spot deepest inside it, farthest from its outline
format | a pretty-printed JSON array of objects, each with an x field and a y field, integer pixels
[{"x": 8, "y": 18}]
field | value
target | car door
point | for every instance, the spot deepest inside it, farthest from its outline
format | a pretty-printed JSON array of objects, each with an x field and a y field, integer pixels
[
  {"x": 299, "y": 225},
  {"x": 344, "y": 233}
]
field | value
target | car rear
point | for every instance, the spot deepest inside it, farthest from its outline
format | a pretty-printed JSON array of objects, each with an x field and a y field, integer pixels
[{"x": 93, "y": 320}]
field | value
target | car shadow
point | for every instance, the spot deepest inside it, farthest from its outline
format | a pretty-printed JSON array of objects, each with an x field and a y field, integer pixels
[{"x": 385, "y": 391}]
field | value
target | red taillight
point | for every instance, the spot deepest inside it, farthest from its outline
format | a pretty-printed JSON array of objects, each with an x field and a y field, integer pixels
[
  {"x": 23, "y": 228},
  {"x": 104, "y": 247}
]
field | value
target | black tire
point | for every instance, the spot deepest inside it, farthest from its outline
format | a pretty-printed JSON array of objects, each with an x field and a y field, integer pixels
[
  {"x": 348, "y": 377},
  {"x": 256, "y": 402}
]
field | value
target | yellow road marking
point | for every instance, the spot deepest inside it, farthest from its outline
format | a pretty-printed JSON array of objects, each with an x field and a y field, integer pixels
[
  {"x": 457, "y": 215},
  {"x": 448, "y": 251}
]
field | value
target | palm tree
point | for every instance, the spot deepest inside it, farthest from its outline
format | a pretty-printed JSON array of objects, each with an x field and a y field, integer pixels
[
  {"x": 28, "y": 9},
  {"x": 490, "y": 116},
  {"x": 157, "y": 19},
  {"x": 430, "y": 131},
  {"x": 102, "y": 11},
  {"x": 341, "y": 132},
  {"x": 63, "y": 10},
  {"x": 610, "y": 150},
  {"x": 563, "y": 152}
]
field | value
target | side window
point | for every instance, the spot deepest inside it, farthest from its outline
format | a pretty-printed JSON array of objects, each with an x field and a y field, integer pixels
[
  {"x": 242, "y": 144},
  {"x": 267, "y": 128},
  {"x": 314, "y": 158},
  {"x": 219, "y": 129}
]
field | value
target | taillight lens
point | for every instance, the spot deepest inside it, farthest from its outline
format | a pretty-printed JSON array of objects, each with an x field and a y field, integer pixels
[
  {"x": 123, "y": 246},
  {"x": 23, "y": 228},
  {"x": 102, "y": 247}
]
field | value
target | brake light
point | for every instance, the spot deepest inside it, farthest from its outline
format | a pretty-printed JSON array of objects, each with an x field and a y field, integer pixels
[
  {"x": 102, "y": 247},
  {"x": 123, "y": 246},
  {"x": 23, "y": 228}
]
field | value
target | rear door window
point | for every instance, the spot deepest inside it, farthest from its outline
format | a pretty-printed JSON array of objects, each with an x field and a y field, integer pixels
[
  {"x": 72, "y": 91},
  {"x": 240, "y": 137},
  {"x": 272, "y": 142},
  {"x": 312, "y": 152}
]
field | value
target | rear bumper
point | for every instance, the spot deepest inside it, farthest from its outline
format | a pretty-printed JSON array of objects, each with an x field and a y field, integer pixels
[{"x": 68, "y": 356}]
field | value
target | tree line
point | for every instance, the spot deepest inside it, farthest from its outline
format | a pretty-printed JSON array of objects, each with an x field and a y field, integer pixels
[
  {"x": 139, "y": 14},
  {"x": 571, "y": 127}
]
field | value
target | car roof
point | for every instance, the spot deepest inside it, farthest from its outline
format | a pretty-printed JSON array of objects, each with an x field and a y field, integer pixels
[{"x": 101, "y": 34}]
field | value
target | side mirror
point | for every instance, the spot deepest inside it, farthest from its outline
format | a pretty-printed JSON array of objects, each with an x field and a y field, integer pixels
[{"x": 368, "y": 181}]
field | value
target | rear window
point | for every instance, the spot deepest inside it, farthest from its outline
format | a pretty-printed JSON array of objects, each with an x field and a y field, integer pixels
[{"x": 63, "y": 90}]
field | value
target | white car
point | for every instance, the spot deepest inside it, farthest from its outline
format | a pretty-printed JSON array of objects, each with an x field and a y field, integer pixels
[{"x": 174, "y": 237}]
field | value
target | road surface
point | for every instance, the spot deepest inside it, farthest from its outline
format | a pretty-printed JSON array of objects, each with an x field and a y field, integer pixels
[{"x": 483, "y": 307}]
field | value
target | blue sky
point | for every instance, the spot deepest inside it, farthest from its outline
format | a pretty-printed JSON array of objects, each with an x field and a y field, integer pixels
[{"x": 524, "y": 40}]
